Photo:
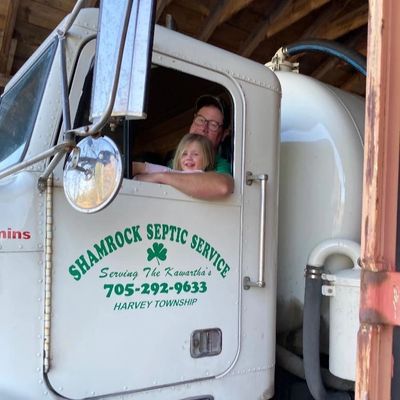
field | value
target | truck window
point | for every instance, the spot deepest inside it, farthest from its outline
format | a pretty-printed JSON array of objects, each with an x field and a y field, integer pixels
[
  {"x": 170, "y": 109},
  {"x": 171, "y": 100},
  {"x": 19, "y": 107}
]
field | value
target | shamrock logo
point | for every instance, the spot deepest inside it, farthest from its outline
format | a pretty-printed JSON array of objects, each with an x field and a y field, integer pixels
[{"x": 159, "y": 252}]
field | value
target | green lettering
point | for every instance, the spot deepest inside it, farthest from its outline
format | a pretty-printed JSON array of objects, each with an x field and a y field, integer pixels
[
  {"x": 104, "y": 272},
  {"x": 149, "y": 231},
  {"x": 206, "y": 250},
  {"x": 127, "y": 239},
  {"x": 165, "y": 230},
  {"x": 220, "y": 264},
  {"x": 200, "y": 245},
  {"x": 157, "y": 233},
  {"x": 225, "y": 270},
  {"x": 75, "y": 273},
  {"x": 82, "y": 264},
  {"x": 173, "y": 230},
  {"x": 136, "y": 234},
  {"x": 110, "y": 243},
  {"x": 119, "y": 239},
  {"x": 184, "y": 236},
  {"x": 92, "y": 258},
  {"x": 193, "y": 243},
  {"x": 101, "y": 250}
]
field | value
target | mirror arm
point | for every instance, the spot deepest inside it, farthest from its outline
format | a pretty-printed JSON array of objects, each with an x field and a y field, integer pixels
[
  {"x": 42, "y": 181},
  {"x": 63, "y": 147}
]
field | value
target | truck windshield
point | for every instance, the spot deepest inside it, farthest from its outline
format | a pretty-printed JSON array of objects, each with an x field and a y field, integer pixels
[{"x": 19, "y": 107}]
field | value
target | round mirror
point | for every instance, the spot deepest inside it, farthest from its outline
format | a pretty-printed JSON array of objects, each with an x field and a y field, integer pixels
[{"x": 92, "y": 174}]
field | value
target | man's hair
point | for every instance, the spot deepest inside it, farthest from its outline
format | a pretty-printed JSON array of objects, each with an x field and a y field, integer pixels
[
  {"x": 217, "y": 102},
  {"x": 206, "y": 147}
]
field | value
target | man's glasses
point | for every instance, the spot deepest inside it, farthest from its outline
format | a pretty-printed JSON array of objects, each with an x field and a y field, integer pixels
[{"x": 213, "y": 126}]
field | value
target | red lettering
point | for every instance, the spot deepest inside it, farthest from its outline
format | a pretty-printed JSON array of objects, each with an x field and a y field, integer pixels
[{"x": 15, "y": 234}]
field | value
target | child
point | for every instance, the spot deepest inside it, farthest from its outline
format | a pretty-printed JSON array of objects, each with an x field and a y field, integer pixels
[{"x": 194, "y": 154}]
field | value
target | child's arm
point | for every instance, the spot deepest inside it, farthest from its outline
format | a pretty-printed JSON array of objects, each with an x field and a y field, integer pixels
[{"x": 147, "y": 168}]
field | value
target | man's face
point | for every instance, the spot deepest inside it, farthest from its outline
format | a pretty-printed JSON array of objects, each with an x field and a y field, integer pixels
[{"x": 209, "y": 114}]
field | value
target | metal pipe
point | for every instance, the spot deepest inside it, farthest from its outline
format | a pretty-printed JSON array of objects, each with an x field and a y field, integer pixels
[
  {"x": 329, "y": 247},
  {"x": 312, "y": 308},
  {"x": 352, "y": 57},
  {"x": 64, "y": 85},
  {"x": 71, "y": 18},
  {"x": 48, "y": 153},
  {"x": 53, "y": 163}
]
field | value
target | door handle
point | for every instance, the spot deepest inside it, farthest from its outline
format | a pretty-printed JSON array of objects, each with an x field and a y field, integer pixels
[{"x": 262, "y": 178}]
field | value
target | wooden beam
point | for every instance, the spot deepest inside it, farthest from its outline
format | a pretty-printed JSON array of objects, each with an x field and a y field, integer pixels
[
  {"x": 10, "y": 8},
  {"x": 349, "y": 22},
  {"x": 213, "y": 20},
  {"x": 380, "y": 194},
  {"x": 222, "y": 12},
  {"x": 328, "y": 15},
  {"x": 42, "y": 15},
  {"x": 299, "y": 10},
  {"x": 286, "y": 14},
  {"x": 260, "y": 32},
  {"x": 352, "y": 82},
  {"x": 4, "y": 80},
  {"x": 91, "y": 3}
]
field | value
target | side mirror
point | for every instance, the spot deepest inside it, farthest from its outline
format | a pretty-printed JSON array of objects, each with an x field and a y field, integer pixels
[{"x": 93, "y": 174}]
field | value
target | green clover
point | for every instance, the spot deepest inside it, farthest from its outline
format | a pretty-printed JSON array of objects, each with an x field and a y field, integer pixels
[{"x": 159, "y": 252}]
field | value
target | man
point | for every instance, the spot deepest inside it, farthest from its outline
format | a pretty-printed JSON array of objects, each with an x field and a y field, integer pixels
[{"x": 211, "y": 119}]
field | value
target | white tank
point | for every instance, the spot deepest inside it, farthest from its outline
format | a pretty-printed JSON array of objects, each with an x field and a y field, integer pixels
[{"x": 320, "y": 187}]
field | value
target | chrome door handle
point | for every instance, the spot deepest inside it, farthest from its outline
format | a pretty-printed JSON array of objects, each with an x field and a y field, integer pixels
[{"x": 262, "y": 178}]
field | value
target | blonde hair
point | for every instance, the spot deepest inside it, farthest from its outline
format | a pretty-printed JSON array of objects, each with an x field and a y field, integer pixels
[{"x": 206, "y": 147}]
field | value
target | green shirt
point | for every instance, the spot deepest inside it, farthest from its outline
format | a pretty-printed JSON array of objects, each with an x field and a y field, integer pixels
[{"x": 222, "y": 166}]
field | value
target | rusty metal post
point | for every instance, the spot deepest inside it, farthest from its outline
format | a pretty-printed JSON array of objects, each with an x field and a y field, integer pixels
[{"x": 379, "y": 218}]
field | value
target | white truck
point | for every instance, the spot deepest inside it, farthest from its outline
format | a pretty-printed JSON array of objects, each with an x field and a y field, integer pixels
[{"x": 160, "y": 295}]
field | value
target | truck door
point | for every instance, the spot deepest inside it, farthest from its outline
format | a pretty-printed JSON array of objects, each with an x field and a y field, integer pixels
[{"x": 147, "y": 293}]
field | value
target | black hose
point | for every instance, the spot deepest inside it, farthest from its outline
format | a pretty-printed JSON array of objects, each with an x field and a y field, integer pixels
[
  {"x": 311, "y": 329},
  {"x": 352, "y": 57}
]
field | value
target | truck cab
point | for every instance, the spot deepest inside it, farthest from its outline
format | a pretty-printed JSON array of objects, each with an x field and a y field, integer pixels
[{"x": 157, "y": 296}]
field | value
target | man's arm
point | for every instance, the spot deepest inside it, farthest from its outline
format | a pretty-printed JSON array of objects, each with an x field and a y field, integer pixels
[{"x": 203, "y": 185}]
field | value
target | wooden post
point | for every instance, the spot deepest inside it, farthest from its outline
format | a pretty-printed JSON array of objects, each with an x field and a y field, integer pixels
[{"x": 379, "y": 214}]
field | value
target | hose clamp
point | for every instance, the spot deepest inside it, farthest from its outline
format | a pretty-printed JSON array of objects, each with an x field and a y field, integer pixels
[{"x": 312, "y": 272}]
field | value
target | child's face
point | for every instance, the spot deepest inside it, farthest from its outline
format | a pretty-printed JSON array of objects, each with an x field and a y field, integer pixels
[{"x": 192, "y": 157}]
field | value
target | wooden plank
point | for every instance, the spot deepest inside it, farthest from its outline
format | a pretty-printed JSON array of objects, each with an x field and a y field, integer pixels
[
  {"x": 349, "y": 22},
  {"x": 299, "y": 10},
  {"x": 10, "y": 8},
  {"x": 42, "y": 15},
  {"x": 4, "y": 80},
  {"x": 218, "y": 12},
  {"x": 65, "y": 6},
  {"x": 222, "y": 11},
  {"x": 380, "y": 193},
  {"x": 285, "y": 15},
  {"x": 260, "y": 32},
  {"x": 30, "y": 36},
  {"x": 325, "y": 18}
]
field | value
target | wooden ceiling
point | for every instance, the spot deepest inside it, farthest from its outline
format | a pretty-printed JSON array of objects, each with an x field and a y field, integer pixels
[{"x": 252, "y": 28}]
